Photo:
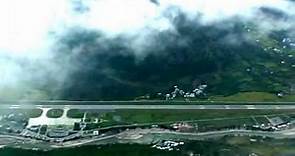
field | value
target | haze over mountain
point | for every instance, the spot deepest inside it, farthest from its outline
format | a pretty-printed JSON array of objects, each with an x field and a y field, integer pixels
[{"x": 110, "y": 49}]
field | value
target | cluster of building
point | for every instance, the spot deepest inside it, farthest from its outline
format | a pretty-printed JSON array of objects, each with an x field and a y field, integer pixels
[
  {"x": 61, "y": 131},
  {"x": 31, "y": 134},
  {"x": 58, "y": 133},
  {"x": 274, "y": 124},
  {"x": 13, "y": 122},
  {"x": 184, "y": 127},
  {"x": 285, "y": 42},
  {"x": 288, "y": 42},
  {"x": 197, "y": 92},
  {"x": 168, "y": 145}
]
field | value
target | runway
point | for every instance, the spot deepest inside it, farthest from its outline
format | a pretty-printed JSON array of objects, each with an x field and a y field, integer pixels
[
  {"x": 140, "y": 102},
  {"x": 151, "y": 107}
]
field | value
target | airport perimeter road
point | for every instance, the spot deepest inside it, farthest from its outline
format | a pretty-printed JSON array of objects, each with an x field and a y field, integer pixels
[{"x": 183, "y": 107}]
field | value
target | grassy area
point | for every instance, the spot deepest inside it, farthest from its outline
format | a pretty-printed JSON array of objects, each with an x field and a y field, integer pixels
[
  {"x": 146, "y": 116},
  {"x": 30, "y": 113},
  {"x": 204, "y": 148},
  {"x": 224, "y": 124},
  {"x": 254, "y": 97},
  {"x": 206, "y": 119},
  {"x": 261, "y": 120},
  {"x": 55, "y": 113},
  {"x": 23, "y": 93},
  {"x": 75, "y": 113},
  {"x": 263, "y": 146}
]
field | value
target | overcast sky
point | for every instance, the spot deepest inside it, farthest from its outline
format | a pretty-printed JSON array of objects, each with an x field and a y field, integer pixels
[
  {"x": 26, "y": 24},
  {"x": 31, "y": 29}
]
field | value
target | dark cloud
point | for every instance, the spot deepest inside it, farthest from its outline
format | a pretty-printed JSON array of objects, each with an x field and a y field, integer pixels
[
  {"x": 122, "y": 49},
  {"x": 105, "y": 68}
]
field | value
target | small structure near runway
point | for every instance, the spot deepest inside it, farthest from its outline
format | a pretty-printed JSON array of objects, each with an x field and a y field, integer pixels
[{"x": 278, "y": 123}]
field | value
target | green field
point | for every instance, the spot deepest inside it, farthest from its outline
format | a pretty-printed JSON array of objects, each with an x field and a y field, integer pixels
[
  {"x": 227, "y": 146},
  {"x": 55, "y": 113},
  {"x": 206, "y": 119},
  {"x": 146, "y": 116},
  {"x": 206, "y": 148},
  {"x": 30, "y": 113},
  {"x": 254, "y": 97},
  {"x": 263, "y": 146}
]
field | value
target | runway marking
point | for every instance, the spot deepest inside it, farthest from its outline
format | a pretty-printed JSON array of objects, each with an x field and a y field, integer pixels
[
  {"x": 14, "y": 106},
  {"x": 202, "y": 107},
  {"x": 227, "y": 107},
  {"x": 250, "y": 106}
]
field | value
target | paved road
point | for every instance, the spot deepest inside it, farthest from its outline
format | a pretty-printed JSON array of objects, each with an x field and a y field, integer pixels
[
  {"x": 112, "y": 107},
  {"x": 289, "y": 134}
]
